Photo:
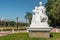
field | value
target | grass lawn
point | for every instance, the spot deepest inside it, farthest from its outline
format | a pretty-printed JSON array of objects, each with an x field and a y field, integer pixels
[
  {"x": 24, "y": 36},
  {"x": 55, "y": 36}
]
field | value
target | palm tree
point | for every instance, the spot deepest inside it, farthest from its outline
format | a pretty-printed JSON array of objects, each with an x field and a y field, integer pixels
[{"x": 28, "y": 17}]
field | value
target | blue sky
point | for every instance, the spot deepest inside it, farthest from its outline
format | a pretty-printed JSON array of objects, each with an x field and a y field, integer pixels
[{"x": 10, "y": 9}]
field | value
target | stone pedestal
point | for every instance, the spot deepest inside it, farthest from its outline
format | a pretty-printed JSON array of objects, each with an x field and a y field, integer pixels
[{"x": 39, "y": 32}]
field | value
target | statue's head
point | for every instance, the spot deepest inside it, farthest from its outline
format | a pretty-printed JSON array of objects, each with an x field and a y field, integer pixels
[
  {"x": 40, "y": 3},
  {"x": 36, "y": 7}
]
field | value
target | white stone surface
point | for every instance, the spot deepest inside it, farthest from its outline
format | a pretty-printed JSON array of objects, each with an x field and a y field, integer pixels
[{"x": 39, "y": 18}]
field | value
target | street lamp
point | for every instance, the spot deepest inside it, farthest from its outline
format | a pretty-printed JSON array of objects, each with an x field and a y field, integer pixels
[{"x": 17, "y": 22}]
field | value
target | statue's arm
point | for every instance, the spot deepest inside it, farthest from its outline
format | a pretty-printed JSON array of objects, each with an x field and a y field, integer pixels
[{"x": 44, "y": 10}]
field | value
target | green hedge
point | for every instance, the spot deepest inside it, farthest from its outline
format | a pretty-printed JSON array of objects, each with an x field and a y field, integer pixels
[{"x": 10, "y": 29}]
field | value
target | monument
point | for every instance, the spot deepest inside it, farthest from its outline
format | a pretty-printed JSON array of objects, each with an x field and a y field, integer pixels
[{"x": 39, "y": 27}]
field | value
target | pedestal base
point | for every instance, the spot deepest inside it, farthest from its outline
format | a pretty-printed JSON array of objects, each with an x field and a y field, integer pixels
[{"x": 39, "y": 32}]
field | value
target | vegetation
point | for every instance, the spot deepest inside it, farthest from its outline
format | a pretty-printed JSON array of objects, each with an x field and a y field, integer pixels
[
  {"x": 28, "y": 17},
  {"x": 53, "y": 12},
  {"x": 55, "y": 36},
  {"x": 11, "y": 23},
  {"x": 24, "y": 36},
  {"x": 19, "y": 36},
  {"x": 10, "y": 28}
]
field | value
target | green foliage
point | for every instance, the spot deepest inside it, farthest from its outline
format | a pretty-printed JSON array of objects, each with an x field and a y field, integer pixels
[
  {"x": 12, "y": 23},
  {"x": 5, "y": 23},
  {"x": 2, "y": 23},
  {"x": 53, "y": 12},
  {"x": 28, "y": 16}
]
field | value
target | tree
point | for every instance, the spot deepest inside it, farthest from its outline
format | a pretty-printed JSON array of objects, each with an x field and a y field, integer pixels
[
  {"x": 2, "y": 23},
  {"x": 28, "y": 16},
  {"x": 12, "y": 23},
  {"x": 53, "y": 12}
]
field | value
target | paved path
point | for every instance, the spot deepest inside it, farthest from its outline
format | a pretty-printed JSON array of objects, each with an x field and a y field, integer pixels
[{"x": 4, "y": 33}]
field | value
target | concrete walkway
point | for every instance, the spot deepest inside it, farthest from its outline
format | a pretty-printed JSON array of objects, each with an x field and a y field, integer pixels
[{"x": 4, "y": 33}]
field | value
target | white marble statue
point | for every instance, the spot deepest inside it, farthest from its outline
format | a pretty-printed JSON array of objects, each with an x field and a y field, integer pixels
[{"x": 39, "y": 18}]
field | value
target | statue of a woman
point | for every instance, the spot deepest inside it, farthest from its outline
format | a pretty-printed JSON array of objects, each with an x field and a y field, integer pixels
[
  {"x": 42, "y": 13},
  {"x": 39, "y": 17}
]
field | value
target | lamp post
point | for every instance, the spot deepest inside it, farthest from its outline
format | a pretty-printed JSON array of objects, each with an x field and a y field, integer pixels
[{"x": 17, "y": 22}]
